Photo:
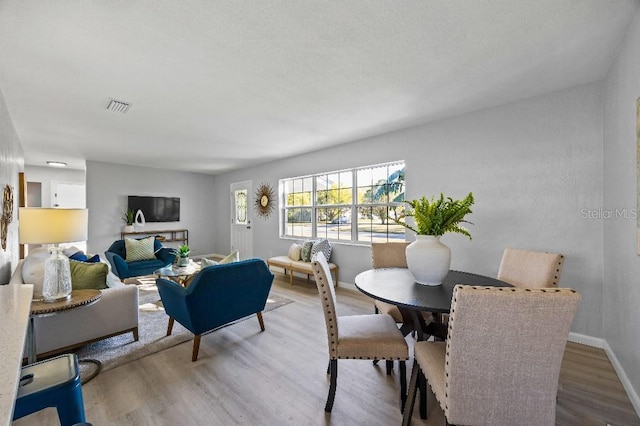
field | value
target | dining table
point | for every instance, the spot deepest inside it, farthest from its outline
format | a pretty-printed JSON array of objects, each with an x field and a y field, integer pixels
[{"x": 398, "y": 287}]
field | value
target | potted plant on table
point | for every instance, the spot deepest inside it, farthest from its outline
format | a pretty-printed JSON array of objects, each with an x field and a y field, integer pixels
[
  {"x": 427, "y": 258},
  {"x": 182, "y": 255},
  {"x": 128, "y": 218}
]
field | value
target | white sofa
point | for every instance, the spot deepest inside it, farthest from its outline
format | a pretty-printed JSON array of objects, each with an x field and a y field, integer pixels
[{"x": 116, "y": 312}]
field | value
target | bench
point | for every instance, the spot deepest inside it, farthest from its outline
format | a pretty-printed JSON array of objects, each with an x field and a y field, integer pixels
[{"x": 285, "y": 263}]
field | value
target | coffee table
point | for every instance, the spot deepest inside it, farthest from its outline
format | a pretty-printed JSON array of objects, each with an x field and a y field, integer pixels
[{"x": 179, "y": 274}]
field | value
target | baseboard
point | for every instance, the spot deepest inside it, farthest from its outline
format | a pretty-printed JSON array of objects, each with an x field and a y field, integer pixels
[
  {"x": 626, "y": 383},
  {"x": 583, "y": 339},
  {"x": 350, "y": 286},
  {"x": 602, "y": 344}
]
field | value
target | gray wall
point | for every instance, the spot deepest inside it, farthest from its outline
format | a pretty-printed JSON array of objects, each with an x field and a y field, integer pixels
[
  {"x": 47, "y": 175},
  {"x": 533, "y": 166},
  {"x": 108, "y": 186},
  {"x": 621, "y": 288},
  {"x": 11, "y": 163}
]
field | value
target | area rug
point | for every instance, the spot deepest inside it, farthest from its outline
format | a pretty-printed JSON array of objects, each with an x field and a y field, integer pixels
[{"x": 152, "y": 327}]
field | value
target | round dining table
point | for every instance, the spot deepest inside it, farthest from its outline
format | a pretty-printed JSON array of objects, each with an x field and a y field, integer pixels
[{"x": 398, "y": 287}]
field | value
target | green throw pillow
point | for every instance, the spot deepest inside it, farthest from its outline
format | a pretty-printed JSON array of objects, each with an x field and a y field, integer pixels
[
  {"x": 139, "y": 249},
  {"x": 86, "y": 276},
  {"x": 305, "y": 253}
]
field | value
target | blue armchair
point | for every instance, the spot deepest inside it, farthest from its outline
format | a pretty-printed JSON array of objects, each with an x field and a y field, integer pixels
[
  {"x": 218, "y": 295},
  {"x": 116, "y": 255}
]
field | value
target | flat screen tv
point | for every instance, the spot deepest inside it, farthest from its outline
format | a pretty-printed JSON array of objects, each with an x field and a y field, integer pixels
[{"x": 156, "y": 209}]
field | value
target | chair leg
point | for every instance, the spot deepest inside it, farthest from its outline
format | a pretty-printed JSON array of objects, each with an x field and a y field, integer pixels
[
  {"x": 375, "y": 361},
  {"x": 170, "y": 326},
  {"x": 333, "y": 364},
  {"x": 260, "y": 320},
  {"x": 196, "y": 347},
  {"x": 422, "y": 384},
  {"x": 413, "y": 389},
  {"x": 389, "y": 364},
  {"x": 136, "y": 336},
  {"x": 403, "y": 384},
  {"x": 70, "y": 406}
]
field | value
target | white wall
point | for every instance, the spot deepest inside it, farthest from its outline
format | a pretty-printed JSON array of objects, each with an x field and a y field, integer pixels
[
  {"x": 108, "y": 186},
  {"x": 11, "y": 163},
  {"x": 47, "y": 175},
  {"x": 621, "y": 288},
  {"x": 532, "y": 165}
]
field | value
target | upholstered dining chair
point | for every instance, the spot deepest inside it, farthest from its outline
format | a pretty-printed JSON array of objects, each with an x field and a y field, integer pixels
[
  {"x": 391, "y": 255},
  {"x": 531, "y": 269},
  {"x": 388, "y": 255},
  {"x": 495, "y": 368},
  {"x": 357, "y": 336}
]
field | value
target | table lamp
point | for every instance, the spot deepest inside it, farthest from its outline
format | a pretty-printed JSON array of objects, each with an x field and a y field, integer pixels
[{"x": 53, "y": 226}]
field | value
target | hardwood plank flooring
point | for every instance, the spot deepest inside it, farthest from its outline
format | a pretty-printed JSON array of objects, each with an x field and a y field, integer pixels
[{"x": 278, "y": 377}]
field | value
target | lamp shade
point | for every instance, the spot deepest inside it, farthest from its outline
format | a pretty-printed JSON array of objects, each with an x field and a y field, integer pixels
[{"x": 52, "y": 226}]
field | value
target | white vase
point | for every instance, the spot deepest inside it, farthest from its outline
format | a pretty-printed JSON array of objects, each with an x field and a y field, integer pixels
[
  {"x": 428, "y": 259},
  {"x": 183, "y": 261},
  {"x": 127, "y": 228}
]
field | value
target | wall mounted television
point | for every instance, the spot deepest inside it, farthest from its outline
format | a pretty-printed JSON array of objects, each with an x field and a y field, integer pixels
[{"x": 156, "y": 209}]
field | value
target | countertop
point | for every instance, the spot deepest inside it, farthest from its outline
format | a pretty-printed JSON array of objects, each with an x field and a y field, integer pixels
[{"x": 15, "y": 305}]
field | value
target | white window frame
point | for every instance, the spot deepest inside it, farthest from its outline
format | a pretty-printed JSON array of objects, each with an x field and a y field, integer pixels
[{"x": 314, "y": 206}]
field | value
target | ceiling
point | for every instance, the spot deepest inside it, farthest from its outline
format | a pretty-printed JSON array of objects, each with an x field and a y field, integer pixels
[{"x": 221, "y": 85}]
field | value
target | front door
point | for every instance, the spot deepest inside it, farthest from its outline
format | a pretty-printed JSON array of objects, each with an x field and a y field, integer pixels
[{"x": 241, "y": 232}]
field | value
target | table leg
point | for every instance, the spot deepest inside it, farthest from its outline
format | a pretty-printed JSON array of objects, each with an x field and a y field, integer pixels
[{"x": 412, "y": 320}]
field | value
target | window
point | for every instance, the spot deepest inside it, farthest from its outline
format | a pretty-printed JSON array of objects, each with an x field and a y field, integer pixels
[
  {"x": 357, "y": 205},
  {"x": 241, "y": 207}
]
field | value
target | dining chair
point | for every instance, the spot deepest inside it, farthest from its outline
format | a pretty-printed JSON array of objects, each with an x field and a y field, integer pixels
[
  {"x": 391, "y": 255},
  {"x": 495, "y": 368},
  {"x": 531, "y": 269},
  {"x": 372, "y": 336},
  {"x": 388, "y": 255}
]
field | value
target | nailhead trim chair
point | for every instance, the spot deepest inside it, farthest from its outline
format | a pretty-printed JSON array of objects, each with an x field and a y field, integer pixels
[
  {"x": 501, "y": 362},
  {"x": 388, "y": 255},
  {"x": 357, "y": 336},
  {"x": 391, "y": 255},
  {"x": 531, "y": 269}
]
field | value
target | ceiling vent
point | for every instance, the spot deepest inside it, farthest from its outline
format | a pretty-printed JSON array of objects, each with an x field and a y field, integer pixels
[{"x": 118, "y": 106}]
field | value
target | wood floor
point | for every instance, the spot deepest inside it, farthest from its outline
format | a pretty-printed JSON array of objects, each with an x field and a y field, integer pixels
[{"x": 278, "y": 377}]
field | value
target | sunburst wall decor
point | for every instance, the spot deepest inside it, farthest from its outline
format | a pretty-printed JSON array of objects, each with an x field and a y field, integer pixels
[{"x": 265, "y": 200}]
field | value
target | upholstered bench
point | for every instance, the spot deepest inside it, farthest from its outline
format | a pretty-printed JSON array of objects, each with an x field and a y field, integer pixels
[{"x": 286, "y": 263}]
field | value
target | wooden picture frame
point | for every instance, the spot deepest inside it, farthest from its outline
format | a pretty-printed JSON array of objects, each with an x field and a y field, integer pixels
[{"x": 22, "y": 201}]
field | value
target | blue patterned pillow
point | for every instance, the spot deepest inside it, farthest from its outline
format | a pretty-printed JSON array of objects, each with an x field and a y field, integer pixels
[
  {"x": 81, "y": 257},
  {"x": 323, "y": 246},
  {"x": 305, "y": 253}
]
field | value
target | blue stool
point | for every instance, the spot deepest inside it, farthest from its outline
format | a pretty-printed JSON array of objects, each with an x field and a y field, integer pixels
[{"x": 54, "y": 382}]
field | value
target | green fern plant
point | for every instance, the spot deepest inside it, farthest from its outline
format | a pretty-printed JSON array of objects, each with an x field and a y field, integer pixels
[{"x": 438, "y": 216}]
